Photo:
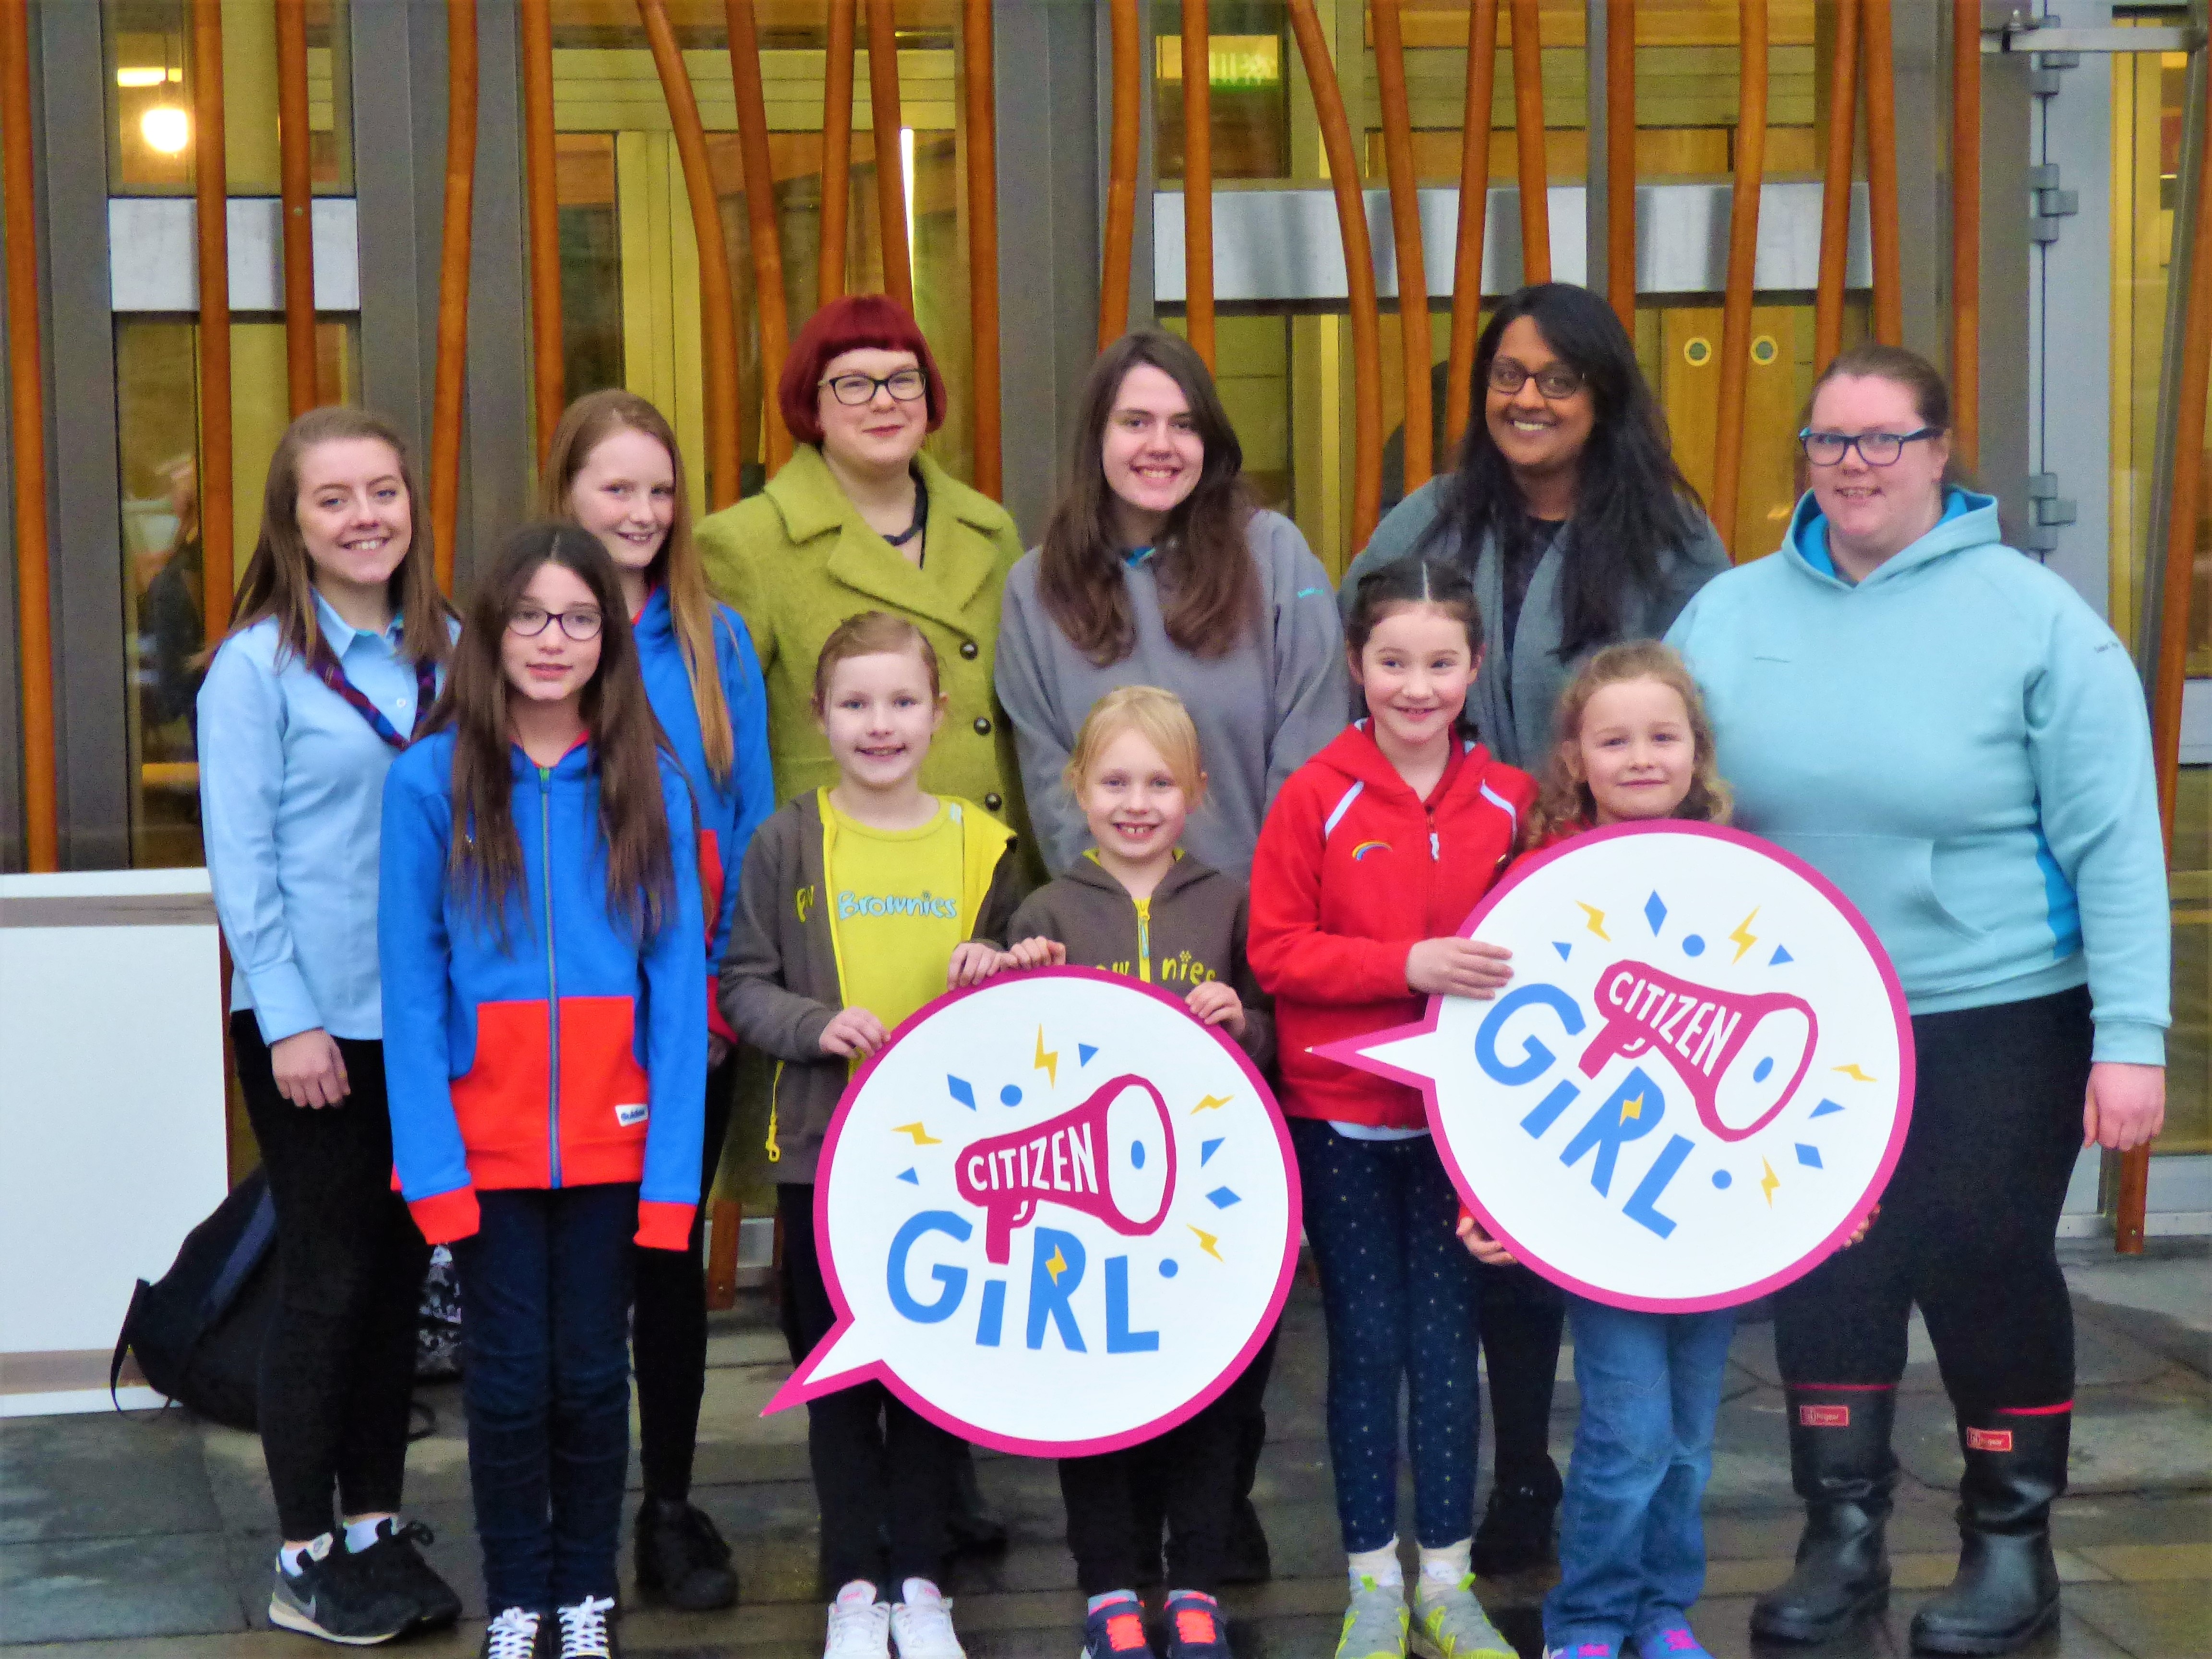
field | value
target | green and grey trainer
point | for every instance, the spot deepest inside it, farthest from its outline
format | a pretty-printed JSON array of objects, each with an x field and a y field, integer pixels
[
  {"x": 1375, "y": 1624},
  {"x": 1450, "y": 1624}
]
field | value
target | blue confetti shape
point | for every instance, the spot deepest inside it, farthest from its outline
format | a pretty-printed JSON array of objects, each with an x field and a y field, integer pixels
[
  {"x": 1810, "y": 1157},
  {"x": 1694, "y": 945},
  {"x": 1207, "y": 1149},
  {"x": 1562, "y": 948},
  {"x": 1010, "y": 1095},
  {"x": 1221, "y": 1198},
  {"x": 1083, "y": 1054},
  {"x": 1722, "y": 1179},
  {"x": 960, "y": 1090},
  {"x": 910, "y": 1178},
  {"x": 1825, "y": 1108},
  {"x": 1759, "y": 1072},
  {"x": 1168, "y": 1268},
  {"x": 1655, "y": 912},
  {"x": 1780, "y": 957}
]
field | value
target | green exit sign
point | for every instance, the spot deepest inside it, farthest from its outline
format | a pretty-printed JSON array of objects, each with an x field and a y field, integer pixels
[{"x": 1234, "y": 63}]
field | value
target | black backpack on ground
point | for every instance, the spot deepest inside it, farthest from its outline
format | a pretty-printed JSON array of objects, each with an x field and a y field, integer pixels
[{"x": 198, "y": 1330}]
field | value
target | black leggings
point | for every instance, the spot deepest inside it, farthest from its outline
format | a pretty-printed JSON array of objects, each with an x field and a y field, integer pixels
[
  {"x": 882, "y": 1473},
  {"x": 1521, "y": 1318},
  {"x": 668, "y": 1329},
  {"x": 1968, "y": 1226},
  {"x": 337, "y": 1364}
]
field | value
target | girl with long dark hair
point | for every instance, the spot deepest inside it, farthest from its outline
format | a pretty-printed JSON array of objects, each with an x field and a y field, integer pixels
[
  {"x": 337, "y": 642},
  {"x": 540, "y": 922}
]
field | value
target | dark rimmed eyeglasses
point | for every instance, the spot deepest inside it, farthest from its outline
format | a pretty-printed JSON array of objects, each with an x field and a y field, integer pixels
[
  {"x": 1555, "y": 381},
  {"x": 1874, "y": 448},
  {"x": 905, "y": 384},
  {"x": 528, "y": 621}
]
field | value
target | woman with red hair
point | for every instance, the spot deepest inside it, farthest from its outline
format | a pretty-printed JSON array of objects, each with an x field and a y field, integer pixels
[{"x": 859, "y": 519}]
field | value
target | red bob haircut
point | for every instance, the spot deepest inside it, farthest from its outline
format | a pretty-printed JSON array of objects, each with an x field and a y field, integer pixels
[{"x": 859, "y": 322}]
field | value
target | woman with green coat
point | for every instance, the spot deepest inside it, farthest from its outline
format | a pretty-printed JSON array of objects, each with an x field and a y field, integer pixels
[{"x": 860, "y": 519}]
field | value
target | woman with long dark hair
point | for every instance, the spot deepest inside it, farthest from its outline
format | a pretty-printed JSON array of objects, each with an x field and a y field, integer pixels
[
  {"x": 1567, "y": 512},
  {"x": 540, "y": 921},
  {"x": 337, "y": 642}
]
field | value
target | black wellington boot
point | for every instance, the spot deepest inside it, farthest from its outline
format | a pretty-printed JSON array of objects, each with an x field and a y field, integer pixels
[
  {"x": 2007, "y": 1590},
  {"x": 974, "y": 1529},
  {"x": 1842, "y": 1465}
]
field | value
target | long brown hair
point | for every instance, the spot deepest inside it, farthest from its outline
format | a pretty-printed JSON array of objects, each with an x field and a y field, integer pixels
[
  {"x": 485, "y": 867},
  {"x": 279, "y": 579},
  {"x": 1565, "y": 805},
  {"x": 587, "y": 423},
  {"x": 1209, "y": 581}
]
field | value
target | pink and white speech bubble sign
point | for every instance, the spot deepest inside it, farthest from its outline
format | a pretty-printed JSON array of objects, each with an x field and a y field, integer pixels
[
  {"x": 1056, "y": 1214},
  {"x": 1695, "y": 1087}
]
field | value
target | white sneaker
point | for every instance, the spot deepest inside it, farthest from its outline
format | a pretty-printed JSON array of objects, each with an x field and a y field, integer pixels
[
  {"x": 511, "y": 1635},
  {"x": 584, "y": 1632},
  {"x": 922, "y": 1625},
  {"x": 859, "y": 1626}
]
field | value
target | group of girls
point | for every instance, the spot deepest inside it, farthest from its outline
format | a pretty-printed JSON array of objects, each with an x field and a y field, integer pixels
[{"x": 586, "y": 899}]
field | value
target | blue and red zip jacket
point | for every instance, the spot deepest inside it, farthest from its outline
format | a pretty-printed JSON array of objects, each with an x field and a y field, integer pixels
[
  {"x": 560, "y": 1051},
  {"x": 727, "y": 812}
]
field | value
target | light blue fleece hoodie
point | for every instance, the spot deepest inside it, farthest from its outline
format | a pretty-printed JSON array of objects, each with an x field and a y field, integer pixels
[{"x": 1960, "y": 744}]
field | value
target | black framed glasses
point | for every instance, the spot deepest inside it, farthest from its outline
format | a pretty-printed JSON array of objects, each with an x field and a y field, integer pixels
[
  {"x": 1874, "y": 448},
  {"x": 903, "y": 384},
  {"x": 1555, "y": 381},
  {"x": 528, "y": 621}
]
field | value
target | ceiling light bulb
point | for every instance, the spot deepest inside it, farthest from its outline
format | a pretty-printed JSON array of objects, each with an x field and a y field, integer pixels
[{"x": 166, "y": 128}]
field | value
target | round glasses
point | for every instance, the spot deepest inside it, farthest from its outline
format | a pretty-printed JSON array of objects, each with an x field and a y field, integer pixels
[
  {"x": 1874, "y": 448},
  {"x": 528, "y": 621},
  {"x": 905, "y": 384},
  {"x": 1555, "y": 381}
]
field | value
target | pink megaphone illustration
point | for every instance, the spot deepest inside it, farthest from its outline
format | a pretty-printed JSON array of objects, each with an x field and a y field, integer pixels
[
  {"x": 1740, "y": 1054},
  {"x": 1113, "y": 1157}
]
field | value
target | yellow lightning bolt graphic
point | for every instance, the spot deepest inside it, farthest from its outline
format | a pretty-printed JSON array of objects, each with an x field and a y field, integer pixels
[
  {"x": 1854, "y": 1071},
  {"x": 1212, "y": 1104},
  {"x": 1631, "y": 1108},
  {"x": 921, "y": 1136},
  {"x": 1596, "y": 919},
  {"x": 1057, "y": 1265},
  {"x": 1768, "y": 1181},
  {"x": 1743, "y": 939},
  {"x": 1206, "y": 1241},
  {"x": 1047, "y": 1060}
]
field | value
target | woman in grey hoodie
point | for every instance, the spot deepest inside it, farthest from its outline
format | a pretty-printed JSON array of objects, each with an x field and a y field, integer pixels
[{"x": 1157, "y": 569}]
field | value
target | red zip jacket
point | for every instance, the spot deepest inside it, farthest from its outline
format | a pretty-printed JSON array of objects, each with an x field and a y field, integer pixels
[{"x": 1352, "y": 871}]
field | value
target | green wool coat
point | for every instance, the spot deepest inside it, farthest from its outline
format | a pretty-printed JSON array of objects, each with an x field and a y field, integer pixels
[{"x": 798, "y": 559}]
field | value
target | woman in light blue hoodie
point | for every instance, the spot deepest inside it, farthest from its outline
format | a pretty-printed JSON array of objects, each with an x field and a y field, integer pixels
[{"x": 1944, "y": 729}]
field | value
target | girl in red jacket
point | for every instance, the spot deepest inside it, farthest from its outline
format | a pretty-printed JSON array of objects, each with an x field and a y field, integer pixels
[{"x": 1373, "y": 855}]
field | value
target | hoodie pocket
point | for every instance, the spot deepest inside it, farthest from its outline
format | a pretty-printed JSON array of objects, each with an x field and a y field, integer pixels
[
  {"x": 1890, "y": 879},
  {"x": 603, "y": 1091},
  {"x": 500, "y": 1102}
]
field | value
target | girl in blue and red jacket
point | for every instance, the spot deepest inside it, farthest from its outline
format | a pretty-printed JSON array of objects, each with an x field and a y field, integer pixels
[
  {"x": 614, "y": 467},
  {"x": 539, "y": 925},
  {"x": 1374, "y": 854}
]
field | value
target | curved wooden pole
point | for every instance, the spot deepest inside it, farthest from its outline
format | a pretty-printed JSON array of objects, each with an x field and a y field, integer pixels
[
  {"x": 1877, "y": 39},
  {"x": 1198, "y": 176},
  {"x": 1120, "y": 227},
  {"x": 549, "y": 369},
  {"x": 1743, "y": 258},
  {"x": 1528, "y": 142},
  {"x": 890, "y": 164},
  {"x": 1965, "y": 229},
  {"x": 982, "y": 242},
  {"x": 27, "y": 416},
  {"x": 453, "y": 362},
  {"x": 760, "y": 223},
  {"x": 296, "y": 173},
  {"x": 1620, "y": 160},
  {"x": 1359, "y": 268},
  {"x": 1473, "y": 216},
  {"x": 718, "y": 312},
  {"x": 1406, "y": 239},
  {"x": 836, "y": 153},
  {"x": 1836, "y": 188},
  {"x": 210, "y": 176}
]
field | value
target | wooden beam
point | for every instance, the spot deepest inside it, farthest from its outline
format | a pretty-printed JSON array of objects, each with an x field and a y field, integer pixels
[
  {"x": 1966, "y": 230},
  {"x": 1406, "y": 239},
  {"x": 1528, "y": 142},
  {"x": 1121, "y": 231},
  {"x": 210, "y": 189},
  {"x": 890, "y": 165},
  {"x": 454, "y": 243},
  {"x": 1198, "y": 175},
  {"x": 1742, "y": 263},
  {"x": 1473, "y": 216},
  {"x": 1878, "y": 39},
  {"x": 836, "y": 153},
  {"x": 548, "y": 366},
  {"x": 297, "y": 176},
  {"x": 1836, "y": 188},
  {"x": 1620, "y": 160},
  {"x": 766, "y": 234},
  {"x": 977, "y": 47}
]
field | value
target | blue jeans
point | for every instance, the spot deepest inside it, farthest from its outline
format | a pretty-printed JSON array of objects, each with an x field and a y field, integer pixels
[
  {"x": 1399, "y": 1290},
  {"x": 1631, "y": 1541},
  {"x": 545, "y": 1301}
]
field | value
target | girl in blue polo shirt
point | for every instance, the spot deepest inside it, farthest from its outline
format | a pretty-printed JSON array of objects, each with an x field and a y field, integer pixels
[{"x": 539, "y": 920}]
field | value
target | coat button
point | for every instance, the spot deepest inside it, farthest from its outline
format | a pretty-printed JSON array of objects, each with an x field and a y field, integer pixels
[
  {"x": 993, "y": 801},
  {"x": 968, "y": 649},
  {"x": 982, "y": 725}
]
